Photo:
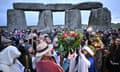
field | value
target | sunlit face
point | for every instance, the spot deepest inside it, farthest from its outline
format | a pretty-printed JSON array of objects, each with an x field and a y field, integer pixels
[{"x": 117, "y": 41}]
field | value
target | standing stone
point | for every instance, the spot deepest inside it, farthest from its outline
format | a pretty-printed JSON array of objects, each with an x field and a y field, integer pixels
[
  {"x": 16, "y": 19},
  {"x": 45, "y": 22},
  {"x": 100, "y": 19},
  {"x": 72, "y": 19}
]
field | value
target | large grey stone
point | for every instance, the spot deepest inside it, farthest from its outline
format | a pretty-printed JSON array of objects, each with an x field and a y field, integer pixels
[
  {"x": 56, "y": 7},
  {"x": 100, "y": 19},
  {"x": 72, "y": 19},
  {"x": 16, "y": 19},
  {"x": 88, "y": 5},
  {"x": 39, "y": 6},
  {"x": 45, "y": 20}
]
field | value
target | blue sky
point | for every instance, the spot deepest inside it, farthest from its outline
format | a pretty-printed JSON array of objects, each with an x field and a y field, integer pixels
[{"x": 32, "y": 18}]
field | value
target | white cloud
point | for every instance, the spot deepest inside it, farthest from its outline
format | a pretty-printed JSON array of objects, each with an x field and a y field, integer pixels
[{"x": 116, "y": 20}]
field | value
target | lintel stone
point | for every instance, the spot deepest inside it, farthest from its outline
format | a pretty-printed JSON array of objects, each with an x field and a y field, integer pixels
[{"x": 56, "y": 7}]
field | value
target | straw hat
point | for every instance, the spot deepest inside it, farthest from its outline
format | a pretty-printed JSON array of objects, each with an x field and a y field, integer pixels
[
  {"x": 43, "y": 48},
  {"x": 5, "y": 40}
]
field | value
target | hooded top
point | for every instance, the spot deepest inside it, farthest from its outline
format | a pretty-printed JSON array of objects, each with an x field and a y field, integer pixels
[{"x": 8, "y": 54}]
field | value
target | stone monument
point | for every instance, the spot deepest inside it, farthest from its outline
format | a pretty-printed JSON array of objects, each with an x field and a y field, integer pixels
[
  {"x": 16, "y": 19},
  {"x": 100, "y": 19},
  {"x": 16, "y": 16},
  {"x": 72, "y": 19}
]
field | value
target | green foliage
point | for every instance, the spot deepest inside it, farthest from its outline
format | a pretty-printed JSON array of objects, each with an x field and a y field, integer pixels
[{"x": 69, "y": 41}]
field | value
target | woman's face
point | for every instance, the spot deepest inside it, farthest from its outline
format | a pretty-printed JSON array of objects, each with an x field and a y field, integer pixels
[
  {"x": 117, "y": 41},
  {"x": 85, "y": 52},
  {"x": 48, "y": 39}
]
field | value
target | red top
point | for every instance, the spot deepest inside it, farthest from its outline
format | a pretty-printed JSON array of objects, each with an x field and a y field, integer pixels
[{"x": 48, "y": 66}]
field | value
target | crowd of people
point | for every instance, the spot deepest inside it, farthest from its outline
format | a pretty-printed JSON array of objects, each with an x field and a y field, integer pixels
[{"x": 33, "y": 51}]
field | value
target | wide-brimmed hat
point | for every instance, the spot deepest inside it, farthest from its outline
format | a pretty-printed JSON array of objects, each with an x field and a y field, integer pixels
[
  {"x": 88, "y": 50},
  {"x": 43, "y": 48},
  {"x": 5, "y": 40}
]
